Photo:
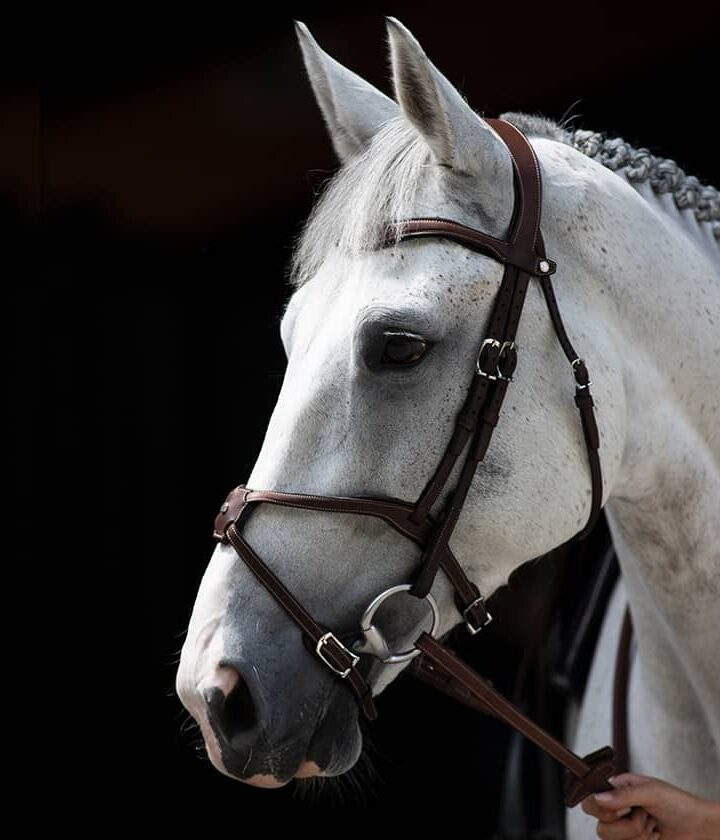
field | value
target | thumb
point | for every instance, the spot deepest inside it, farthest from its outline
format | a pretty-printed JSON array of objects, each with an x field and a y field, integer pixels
[{"x": 630, "y": 790}]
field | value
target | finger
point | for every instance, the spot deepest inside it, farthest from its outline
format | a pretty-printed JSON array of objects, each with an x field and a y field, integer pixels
[
  {"x": 629, "y": 794},
  {"x": 650, "y": 833},
  {"x": 603, "y": 814},
  {"x": 633, "y": 827},
  {"x": 629, "y": 779}
]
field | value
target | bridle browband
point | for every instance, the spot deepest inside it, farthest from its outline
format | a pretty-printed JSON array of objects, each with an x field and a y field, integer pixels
[{"x": 523, "y": 255}]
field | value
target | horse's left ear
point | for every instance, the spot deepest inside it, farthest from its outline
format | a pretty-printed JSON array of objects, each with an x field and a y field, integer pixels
[
  {"x": 457, "y": 136},
  {"x": 353, "y": 109}
]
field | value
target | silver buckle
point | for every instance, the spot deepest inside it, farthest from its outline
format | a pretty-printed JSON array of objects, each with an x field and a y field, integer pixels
[
  {"x": 488, "y": 342},
  {"x": 472, "y": 629},
  {"x": 578, "y": 386},
  {"x": 322, "y": 641}
]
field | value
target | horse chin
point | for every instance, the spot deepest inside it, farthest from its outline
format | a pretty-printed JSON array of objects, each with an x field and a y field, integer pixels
[
  {"x": 307, "y": 770},
  {"x": 341, "y": 756}
]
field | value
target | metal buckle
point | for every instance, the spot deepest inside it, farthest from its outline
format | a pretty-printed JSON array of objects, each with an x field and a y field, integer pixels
[
  {"x": 373, "y": 641},
  {"x": 577, "y": 384},
  {"x": 325, "y": 639},
  {"x": 471, "y": 627},
  {"x": 488, "y": 342}
]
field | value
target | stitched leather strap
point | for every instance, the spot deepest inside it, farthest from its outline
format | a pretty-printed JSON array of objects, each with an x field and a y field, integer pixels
[
  {"x": 523, "y": 250},
  {"x": 520, "y": 249},
  {"x": 527, "y": 257},
  {"x": 451, "y": 675},
  {"x": 325, "y": 644},
  {"x": 396, "y": 513},
  {"x": 499, "y": 250}
]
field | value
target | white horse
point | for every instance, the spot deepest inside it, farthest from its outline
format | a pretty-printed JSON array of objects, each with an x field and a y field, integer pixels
[{"x": 638, "y": 284}]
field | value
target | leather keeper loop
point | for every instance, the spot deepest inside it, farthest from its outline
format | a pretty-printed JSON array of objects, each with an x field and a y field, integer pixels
[
  {"x": 487, "y": 360},
  {"x": 230, "y": 511},
  {"x": 507, "y": 362},
  {"x": 601, "y": 766}
]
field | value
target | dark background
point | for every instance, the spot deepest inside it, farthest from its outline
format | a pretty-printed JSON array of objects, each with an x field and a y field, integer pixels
[{"x": 177, "y": 160}]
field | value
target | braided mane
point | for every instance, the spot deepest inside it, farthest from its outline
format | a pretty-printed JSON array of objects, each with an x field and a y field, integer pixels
[{"x": 637, "y": 165}]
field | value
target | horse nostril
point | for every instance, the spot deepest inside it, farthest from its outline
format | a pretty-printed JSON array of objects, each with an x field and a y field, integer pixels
[
  {"x": 233, "y": 711},
  {"x": 240, "y": 710}
]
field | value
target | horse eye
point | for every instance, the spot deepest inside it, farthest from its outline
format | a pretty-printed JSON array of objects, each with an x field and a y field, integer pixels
[{"x": 403, "y": 349}]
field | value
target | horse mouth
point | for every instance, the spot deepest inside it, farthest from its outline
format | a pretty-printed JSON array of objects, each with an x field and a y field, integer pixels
[
  {"x": 330, "y": 748},
  {"x": 273, "y": 770}
]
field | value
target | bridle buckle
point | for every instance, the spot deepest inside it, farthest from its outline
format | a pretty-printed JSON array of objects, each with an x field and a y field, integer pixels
[
  {"x": 493, "y": 344},
  {"x": 331, "y": 638},
  {"x": 472, "y": 628},
  {"x": 581, "y": 386}
]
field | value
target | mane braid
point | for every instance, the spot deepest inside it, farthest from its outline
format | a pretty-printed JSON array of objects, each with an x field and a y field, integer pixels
[
  {"x": 638, "y": 165},
  {"x": 382, "y": 182}
]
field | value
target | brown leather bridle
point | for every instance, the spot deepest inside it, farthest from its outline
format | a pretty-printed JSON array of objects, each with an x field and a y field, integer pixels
[{"x": 523, "y": 255}]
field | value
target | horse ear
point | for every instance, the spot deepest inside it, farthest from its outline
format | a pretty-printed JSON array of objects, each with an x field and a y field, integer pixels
[
  {"x": 353, "y": 109},
  {"x": 457, "y": 136}
]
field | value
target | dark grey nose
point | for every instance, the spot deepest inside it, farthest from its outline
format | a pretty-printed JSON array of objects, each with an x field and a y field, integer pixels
[{"x": 234, "y": 708}]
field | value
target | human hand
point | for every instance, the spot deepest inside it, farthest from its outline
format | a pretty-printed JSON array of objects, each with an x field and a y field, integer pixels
[{"x": 644, "y": 808}]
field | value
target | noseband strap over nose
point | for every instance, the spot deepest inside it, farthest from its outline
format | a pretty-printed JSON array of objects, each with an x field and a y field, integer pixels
[
  {"x": 523, "y": 255},
  {"x": 329, "y": 649}
]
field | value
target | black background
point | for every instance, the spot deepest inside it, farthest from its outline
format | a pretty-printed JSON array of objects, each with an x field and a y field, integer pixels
[{"x": 178, "y": 160}]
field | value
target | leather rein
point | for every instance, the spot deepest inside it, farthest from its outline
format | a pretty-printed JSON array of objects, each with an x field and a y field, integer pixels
[{"x": 523, "y": 255}]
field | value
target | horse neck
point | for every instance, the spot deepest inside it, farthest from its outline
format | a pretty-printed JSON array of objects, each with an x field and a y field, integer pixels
[{"x": 663, "y": 505}]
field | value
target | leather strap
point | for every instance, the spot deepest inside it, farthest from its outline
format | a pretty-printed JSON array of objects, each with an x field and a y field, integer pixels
[
  {"x": 528, "y": 256},
  {"x": 522, "y": 248},
  {"x": 396, "y": 513},
  {"x": 585, "y": 404},
  {"x": 327, "y": 646},
  {"x": 621, "y": 684},
  {"x": 451, "y": 675},
  {"x": 504, "y": 252}
]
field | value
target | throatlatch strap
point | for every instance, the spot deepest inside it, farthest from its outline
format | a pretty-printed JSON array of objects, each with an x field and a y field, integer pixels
[{"x": 585, "y": 404}]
